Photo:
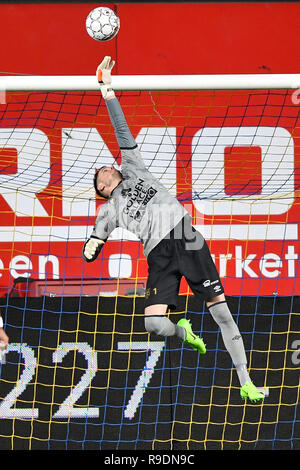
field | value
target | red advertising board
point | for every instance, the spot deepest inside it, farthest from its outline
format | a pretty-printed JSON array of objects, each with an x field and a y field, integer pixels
[
  {"x": 232, "y": 158},
  {"x": 236, "y": 172},
  {"x": 154, "y": 38}
]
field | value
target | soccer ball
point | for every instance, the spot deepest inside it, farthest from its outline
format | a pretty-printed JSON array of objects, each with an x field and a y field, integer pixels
[{"x": 102, "y": 24}]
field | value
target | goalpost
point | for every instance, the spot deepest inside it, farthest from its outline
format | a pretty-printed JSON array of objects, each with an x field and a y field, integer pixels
[{"x": 81, "y": 371}]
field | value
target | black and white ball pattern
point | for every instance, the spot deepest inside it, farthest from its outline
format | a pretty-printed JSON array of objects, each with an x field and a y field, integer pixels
[{"x": 102, "y": 24}]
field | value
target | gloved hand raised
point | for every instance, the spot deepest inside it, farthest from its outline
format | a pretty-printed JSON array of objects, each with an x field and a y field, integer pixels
[
  {"x": 91, "y": 249},
  {"x": 104, "y": 77}
]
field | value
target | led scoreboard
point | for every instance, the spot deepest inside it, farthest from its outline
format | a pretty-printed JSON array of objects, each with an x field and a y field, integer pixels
[{"x": 80, "y": 377}]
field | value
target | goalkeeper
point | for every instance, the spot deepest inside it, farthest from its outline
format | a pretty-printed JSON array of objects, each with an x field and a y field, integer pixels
[{"x": 138, "y": 202}]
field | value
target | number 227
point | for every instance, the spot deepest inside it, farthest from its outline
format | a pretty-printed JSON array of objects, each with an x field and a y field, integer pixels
[{"x": 66, "y": 409}]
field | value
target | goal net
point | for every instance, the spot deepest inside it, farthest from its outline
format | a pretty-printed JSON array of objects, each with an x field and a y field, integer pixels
[{"x": 81, "y": 372}]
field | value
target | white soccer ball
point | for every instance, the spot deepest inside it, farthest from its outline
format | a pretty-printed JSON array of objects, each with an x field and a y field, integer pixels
[{"x": 102, "y": 24}]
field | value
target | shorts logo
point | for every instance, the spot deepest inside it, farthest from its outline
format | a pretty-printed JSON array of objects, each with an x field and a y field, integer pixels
[
  {"x": 208, "y": 283},
  {"x": 217, "y": 288}
]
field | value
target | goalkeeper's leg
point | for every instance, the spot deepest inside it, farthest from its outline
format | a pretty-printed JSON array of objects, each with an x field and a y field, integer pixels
[
  {"x": 156, "y": 322},
  {"x": 233, "y": 342}
]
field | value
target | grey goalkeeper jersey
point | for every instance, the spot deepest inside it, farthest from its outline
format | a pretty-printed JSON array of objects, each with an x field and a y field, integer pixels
[{"x": 140, "y": 203}]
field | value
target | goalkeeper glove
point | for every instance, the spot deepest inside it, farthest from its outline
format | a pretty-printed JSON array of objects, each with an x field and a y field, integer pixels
[
  {"x": 104, "y": 77},
  {"x": 91, "y": 249}
]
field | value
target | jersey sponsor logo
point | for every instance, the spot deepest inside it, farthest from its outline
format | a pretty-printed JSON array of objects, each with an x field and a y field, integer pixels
[
  {"x": 139, "y": 198},
  {"x": 126, "y": 192},
  {"x": 150, "y": 194}
]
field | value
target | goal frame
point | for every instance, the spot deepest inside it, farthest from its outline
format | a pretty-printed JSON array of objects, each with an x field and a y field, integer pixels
[{"x": 151, "y": 82}]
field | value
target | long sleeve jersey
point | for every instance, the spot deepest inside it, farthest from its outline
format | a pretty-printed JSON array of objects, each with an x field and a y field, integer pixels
[{"x": 140, "y": 203}]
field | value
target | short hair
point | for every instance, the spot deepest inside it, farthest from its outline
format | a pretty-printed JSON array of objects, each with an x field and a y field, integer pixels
[{"x": 95, "y": 182}]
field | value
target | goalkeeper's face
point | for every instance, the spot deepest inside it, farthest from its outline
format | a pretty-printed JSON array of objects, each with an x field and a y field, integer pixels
[{"x": 108, "y": 178}]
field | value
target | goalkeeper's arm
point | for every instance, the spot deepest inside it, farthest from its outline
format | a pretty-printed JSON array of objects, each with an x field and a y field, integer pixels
[
  {"x": 104, "y": 225},
  {"x": 122, "y": 131}
]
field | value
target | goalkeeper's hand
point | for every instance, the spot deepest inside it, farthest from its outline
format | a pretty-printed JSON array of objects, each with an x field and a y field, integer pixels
[
  {"x": 91, "y": 249},
  {"x": 104, "y": 77}
]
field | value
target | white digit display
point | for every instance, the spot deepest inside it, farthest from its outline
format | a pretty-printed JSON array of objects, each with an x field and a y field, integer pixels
[
  {"x": 6, "y": 407},
  {"x": 66, "y": 409},
  {"x": 156, "y": 348}
]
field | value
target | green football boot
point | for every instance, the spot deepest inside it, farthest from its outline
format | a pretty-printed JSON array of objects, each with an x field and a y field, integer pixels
[
  {"x": 248, "y": 390},
  {"x": 193, "y": 340}
]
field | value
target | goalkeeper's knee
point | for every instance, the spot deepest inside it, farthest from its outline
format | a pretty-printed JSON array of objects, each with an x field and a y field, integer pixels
[
  {"x": 160, "y": 325},
  {"x": 221, "y": 313}
]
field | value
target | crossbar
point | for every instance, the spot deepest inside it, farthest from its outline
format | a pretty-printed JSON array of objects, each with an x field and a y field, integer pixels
[{"x": 151, "y": 82}]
